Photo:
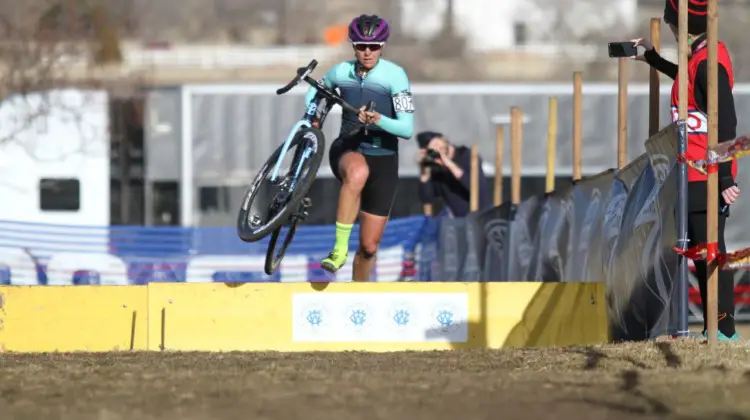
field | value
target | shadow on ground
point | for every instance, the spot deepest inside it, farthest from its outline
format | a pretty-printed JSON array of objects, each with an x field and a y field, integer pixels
[
  {"x": 635, "y": 380},
  {"x": 633, "y": 396}
]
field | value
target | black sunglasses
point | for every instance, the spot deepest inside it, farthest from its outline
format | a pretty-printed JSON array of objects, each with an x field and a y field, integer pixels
[{"x": 372, "y": 47}]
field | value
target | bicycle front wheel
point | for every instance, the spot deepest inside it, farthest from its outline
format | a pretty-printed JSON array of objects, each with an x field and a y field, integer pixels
[
  {"x": 268, "y": 204},
  {"x": 274, "y": 256}
]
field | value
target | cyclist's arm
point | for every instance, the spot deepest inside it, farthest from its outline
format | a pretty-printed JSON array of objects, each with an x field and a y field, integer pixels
[
  {"x": 329, "y": 81},
  {"x": 403, "y": 125}
]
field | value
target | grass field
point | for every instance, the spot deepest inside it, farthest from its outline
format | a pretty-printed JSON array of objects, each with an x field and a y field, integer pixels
[{"x": 679, "y": 379}]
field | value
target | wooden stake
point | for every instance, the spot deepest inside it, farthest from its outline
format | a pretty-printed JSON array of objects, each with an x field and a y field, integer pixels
[
  {"x": 516, "y": 134},
  {"x": 622, "y": 112},
  {"x": 474, "y": 180},
  {"x": 498, "y": 198},
  {"x": 577, "y": 123},
  {"x": 712, "y": 192},
  {"x": 653, "y": 84},
  {"x": 551, "y": 144}
]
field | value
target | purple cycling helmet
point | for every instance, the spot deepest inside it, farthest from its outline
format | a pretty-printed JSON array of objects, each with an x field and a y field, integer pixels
[{"x": 369, "y": 28}]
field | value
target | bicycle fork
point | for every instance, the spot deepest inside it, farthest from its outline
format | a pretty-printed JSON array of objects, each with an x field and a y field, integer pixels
[
  {"x": 300, "y": 162},
  {"x": 290, "y": 182},
  {"x": 300, "y": 158},
  {"x": 285, "y": 147}
]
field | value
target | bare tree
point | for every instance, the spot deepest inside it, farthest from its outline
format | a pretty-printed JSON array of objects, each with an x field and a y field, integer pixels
[
  {"x": 578, "y": 31},
  {"x": 49, "y": 45}
]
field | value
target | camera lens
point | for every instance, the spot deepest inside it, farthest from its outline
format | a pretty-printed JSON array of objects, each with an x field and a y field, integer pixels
[{"x": 430, "y": 157}]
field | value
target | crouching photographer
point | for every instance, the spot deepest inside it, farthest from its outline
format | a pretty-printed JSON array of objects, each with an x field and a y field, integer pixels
[{"x": 445, "y": 172}]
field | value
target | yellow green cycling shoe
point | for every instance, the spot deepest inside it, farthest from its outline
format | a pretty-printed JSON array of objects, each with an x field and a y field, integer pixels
[{"x": 333, "y": 262}]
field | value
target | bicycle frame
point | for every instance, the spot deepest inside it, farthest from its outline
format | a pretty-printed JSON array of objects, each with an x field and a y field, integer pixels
[
  {"x": 284, "y": 188},
  {"x": 310, "y": 119}
]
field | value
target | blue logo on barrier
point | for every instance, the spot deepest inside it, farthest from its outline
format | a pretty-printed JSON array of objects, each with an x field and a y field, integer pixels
[
  {"x": 445, "y": 318},
  {"x": 315, "y": 317},
  {"x": 401, "y": 317},
  {"x": 358, "y": 317},
  {"x": 165, "y": 254}
]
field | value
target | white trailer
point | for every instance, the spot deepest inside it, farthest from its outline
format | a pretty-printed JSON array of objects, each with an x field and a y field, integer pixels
[{"x": 54, "y": 158}]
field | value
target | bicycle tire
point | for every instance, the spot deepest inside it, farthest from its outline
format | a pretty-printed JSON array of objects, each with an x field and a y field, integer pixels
[
  {"x": 246, "y": 232},
  {"x": 272, "y": 259}
]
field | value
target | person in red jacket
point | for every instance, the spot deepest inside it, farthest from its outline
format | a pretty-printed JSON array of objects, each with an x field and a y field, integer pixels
[{"x": 698, "y": 143}]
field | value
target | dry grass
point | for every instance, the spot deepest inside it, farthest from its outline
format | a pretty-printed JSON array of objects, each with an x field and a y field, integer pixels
[{"x": 680, "y": 379}]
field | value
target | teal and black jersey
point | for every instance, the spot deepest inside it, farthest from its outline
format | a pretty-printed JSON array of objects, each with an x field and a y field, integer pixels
[{"x": 387, "y": 85}]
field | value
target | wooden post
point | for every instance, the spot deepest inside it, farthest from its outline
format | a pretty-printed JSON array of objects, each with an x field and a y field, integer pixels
[
  {"x": 577, "y": 123},
  {"x": 516, "y": 134},
  {"x": 622, "y": 112},
  {"x": 712, "y": 205},
  {"x": 474, "y": 180},
  {"x": 653, "y": 84},
  {"x": 498, "y": 197},
  {"x": 551, "y": 144}
]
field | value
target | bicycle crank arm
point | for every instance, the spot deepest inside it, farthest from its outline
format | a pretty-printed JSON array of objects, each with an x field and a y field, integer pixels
[{"x": 303, "y": 210}]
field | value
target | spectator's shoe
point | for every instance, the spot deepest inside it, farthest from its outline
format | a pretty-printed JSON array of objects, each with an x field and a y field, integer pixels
[
  {"x": 333, "y": 261},
  {"x": 723, "y": 337}
]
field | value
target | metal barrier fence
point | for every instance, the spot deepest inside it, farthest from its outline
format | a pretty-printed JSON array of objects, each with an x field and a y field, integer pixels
[
  {"x": 616, "y": 227},
  {"x": 41, "y": 254}
]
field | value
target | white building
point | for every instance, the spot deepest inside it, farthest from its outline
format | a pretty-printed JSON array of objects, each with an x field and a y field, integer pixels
[
  {"x": 507, "y": 24},
  {"x": 54, "y": 158}
]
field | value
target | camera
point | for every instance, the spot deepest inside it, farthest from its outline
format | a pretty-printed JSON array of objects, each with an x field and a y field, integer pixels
[{"x": 430, "y": 157}]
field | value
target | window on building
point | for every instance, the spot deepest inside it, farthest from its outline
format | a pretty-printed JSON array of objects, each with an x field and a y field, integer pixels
[
  {"x": 520, "y": 33},
  {"x": 214, "y": 198},
  {"x": 59, "y": 194}
]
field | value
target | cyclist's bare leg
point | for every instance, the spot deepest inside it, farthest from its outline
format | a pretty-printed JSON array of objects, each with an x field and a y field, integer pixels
[
  {"x": 371, "y": 228},
  {"x": 354, "y": 172}
]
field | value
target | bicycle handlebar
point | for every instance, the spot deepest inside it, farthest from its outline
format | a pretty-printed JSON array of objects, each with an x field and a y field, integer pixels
[{"x": 303, "y": 74}]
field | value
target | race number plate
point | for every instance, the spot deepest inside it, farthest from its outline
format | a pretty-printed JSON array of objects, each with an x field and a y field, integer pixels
[{"x": 402, "y": 102}]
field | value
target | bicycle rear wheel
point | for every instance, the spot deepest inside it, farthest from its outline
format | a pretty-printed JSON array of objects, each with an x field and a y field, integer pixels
[{"x": 268, "y": 204}]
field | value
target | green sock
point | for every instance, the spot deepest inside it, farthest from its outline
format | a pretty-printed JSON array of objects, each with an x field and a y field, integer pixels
[{"x": 342, "y": 238}]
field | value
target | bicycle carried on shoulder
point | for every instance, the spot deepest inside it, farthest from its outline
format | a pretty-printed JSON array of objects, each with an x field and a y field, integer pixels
[{"x": 275, "y": 200}]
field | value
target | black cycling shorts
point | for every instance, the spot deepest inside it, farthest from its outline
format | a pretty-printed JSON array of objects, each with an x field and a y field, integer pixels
[{"x": 380, "y": 188}]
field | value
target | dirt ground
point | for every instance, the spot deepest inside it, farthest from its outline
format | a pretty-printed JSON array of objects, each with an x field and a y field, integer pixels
[
  {"x": 743, "y": 329},
  {"x": 679, "y": 379}
]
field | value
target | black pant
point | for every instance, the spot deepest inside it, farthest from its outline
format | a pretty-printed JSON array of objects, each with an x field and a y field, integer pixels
[
  {"x": 380, "y": 189},
  {"x": 697, "y": 226}
]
